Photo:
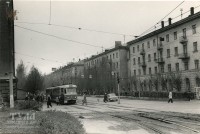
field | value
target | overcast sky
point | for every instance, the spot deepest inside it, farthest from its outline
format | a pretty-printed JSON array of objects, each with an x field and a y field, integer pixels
[{"x": 46, "y": 52}]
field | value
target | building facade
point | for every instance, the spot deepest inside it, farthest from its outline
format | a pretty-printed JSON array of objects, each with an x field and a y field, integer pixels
[
  {"x": 169, "y": 55},
  {"x": 7, "y": 63},
  {"x": 102, "y": 70}
]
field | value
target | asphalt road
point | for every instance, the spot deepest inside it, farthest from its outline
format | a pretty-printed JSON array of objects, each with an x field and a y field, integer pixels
[{"x": 136, "y": 116}]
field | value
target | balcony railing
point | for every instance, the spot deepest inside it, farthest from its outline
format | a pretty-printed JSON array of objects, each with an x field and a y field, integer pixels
[
  {"x": 184, "y": 56},
  {"x": 183, "y": 39},
  {"x": 142, "y": 64},
  {"x": 160, "y": 60},
  {"x": 160, "y": 46},
  {"x": 142, "y": 52}
]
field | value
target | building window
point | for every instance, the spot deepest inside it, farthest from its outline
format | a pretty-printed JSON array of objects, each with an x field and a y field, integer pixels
[
  {"x": 148, "y": 44},
  {"x": 142, "y": 46},
  {"x": 138, "y": 48},
  {"x": 175, "y": 51},
  {"x": 149, "y": 57},
  {"x": 156, "y": 70},
  {"x": 154, "y": 56},
  {"x": 113, "y": 56},
  {"x": 154, "y": 42},
  {"x": 194, "y": 29},
  {"x": 133, "y": 61},
  {"x": 116, "y": 54},
  {"x": 133, "y": 49},
  {"x": 186, "y": 66},
  {"x": 149, "y": 70},
  {"x": 195, "y": 47},
  {"x": 134, "y": 72},
  {"x": 167, "y": 37},
  {"x": 117, "y": 64},
  {"x": 168, "y": 53},
  {"x": 177, "y": 66},
  {"x": 196, "y": 62},
  {"x": 169, "y": 68},
  {"x": 175, "y": 35},
  {"x": 138, "y": 60}
]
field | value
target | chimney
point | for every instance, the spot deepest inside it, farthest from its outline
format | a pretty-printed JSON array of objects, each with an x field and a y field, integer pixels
[
  {"x": 170, "y": 21},
  {"x": 162, "y": 24},
  {"x": 191, "y": 10},
  {"x": 118, "y": 43}
]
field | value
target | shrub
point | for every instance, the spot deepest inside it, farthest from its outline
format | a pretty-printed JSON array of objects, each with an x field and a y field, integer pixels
[
  {"x": 31, "y": 105},
  {"x": 57, "y": 122}
]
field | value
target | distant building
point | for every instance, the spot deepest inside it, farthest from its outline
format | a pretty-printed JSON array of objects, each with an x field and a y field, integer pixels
[
  {"x": 102, "y": 70},
  {"x": 7, "y": 62},
  {"x": 69, "y": 74},
  {"x": 169, "y": 52}
]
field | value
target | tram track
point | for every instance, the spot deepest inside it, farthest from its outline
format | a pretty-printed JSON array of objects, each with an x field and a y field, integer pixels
[{"x": 137, "y": 118}]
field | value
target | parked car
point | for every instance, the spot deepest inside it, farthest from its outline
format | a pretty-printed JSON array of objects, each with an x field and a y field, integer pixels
[{"x": 112, "y": 97}]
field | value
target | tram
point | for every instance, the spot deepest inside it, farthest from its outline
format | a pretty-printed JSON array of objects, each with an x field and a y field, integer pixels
[{"x": 66, "y": 93}]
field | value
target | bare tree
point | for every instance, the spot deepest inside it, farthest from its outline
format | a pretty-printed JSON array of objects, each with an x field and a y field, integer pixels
[
  {"x": 155, "y": 82},
  {"x": 176, "y": 80},
  {"x": 163, "y": 82}
]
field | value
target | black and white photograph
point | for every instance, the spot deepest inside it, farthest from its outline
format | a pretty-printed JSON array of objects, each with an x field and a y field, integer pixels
[{"x": 99, "y": 67}]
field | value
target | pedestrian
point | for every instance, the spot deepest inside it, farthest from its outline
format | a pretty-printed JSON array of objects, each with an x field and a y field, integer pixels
[
  {"x": 84, "y": 99},
  {"x": 49, "y": 101},
  {"x": 170, "y": 97},
  {"x": 1, "y": 101},
  {"x": 26, "y": 98},
  {"x": 57, "y": 100},
  {"x": 105, "y": 98},
  {"x": 62, "y": 97}
]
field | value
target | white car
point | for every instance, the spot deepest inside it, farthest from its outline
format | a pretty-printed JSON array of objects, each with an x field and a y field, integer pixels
[{"x": 112, "y": 97}]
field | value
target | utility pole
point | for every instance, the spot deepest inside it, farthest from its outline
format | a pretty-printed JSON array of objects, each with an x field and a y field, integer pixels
[
  {"x": 11, "y": 16},
  {"x": 118, "y": 81}
]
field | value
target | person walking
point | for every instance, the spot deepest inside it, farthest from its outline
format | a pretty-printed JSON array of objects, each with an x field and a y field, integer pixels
[
  {"x": 49, "y": 101},
  {"x": 105, "y": 98},
  {"x": 57, "y": 100},
  {"x": 84, "y": 99},
  {"x": 170, "y": 97}
]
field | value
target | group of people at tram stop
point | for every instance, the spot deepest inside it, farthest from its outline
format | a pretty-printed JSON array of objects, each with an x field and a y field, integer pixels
[{"x": 38, "y": 97}]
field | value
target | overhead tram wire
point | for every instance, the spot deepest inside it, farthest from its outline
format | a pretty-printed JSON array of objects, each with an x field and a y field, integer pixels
[
  {"x": 185, "y": 12},
  {"x": 57, "y": 37},
  {"x": 79, "y": 28},
  {"x": 41, "y": 58},
  {"x": 162, "y": 18}
]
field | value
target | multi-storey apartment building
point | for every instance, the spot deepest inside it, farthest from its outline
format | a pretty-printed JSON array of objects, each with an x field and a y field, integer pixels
[
  {"x": 71, "y": 73},
  {"x": 103, "y": 69},
  {"x": 172, "y": 52}
]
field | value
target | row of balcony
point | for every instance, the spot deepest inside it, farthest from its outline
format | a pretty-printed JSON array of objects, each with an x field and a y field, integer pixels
[
  {"x": 183, "y": 56},
  {"x": 182, "y": 40}
]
